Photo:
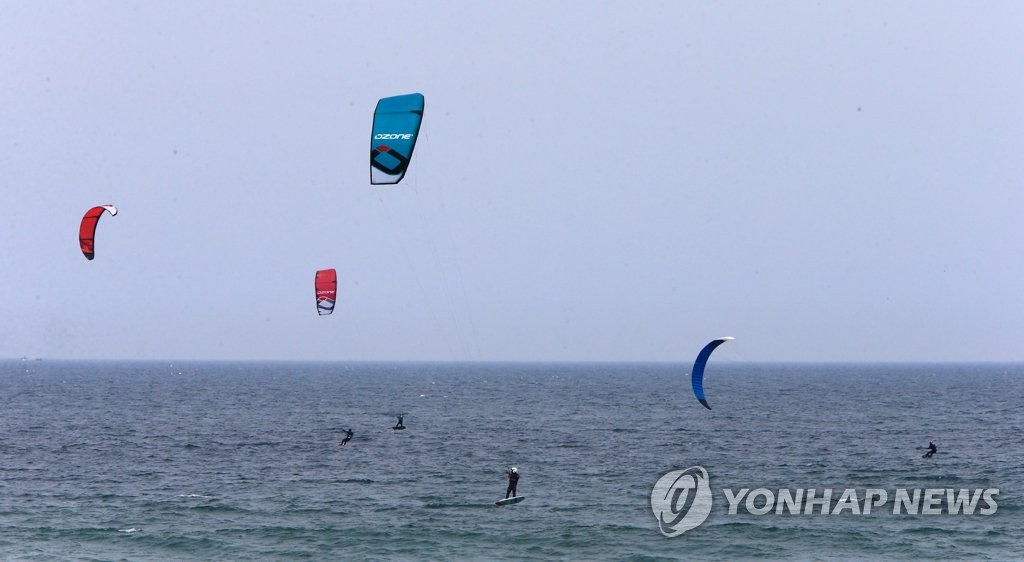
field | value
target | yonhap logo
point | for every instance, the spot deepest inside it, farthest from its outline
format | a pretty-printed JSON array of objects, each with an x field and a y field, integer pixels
[{"x": 681, "y": 500}]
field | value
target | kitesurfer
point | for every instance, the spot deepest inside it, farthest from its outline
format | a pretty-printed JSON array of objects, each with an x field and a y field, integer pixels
[
  {"x": 400, "y": 424},
  {"x": 932, "y": 449},
  {"x": 348, "y": 437},
  {"x": 513, "y": 479}
]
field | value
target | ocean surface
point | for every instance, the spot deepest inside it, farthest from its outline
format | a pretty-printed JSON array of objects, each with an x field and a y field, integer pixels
[{"x": 240, "y": 461}]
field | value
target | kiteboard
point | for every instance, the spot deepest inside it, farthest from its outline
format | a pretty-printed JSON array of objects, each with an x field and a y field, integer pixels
[
  {"x": 398, "y": 427},
  {"x": 510, "y": 501}
]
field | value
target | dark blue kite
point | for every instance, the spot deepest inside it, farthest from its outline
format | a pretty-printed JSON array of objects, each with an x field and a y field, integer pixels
[{"x": 698, "y": 369}]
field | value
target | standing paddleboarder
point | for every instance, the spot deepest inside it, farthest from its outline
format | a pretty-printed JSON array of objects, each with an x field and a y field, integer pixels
[{"x": 513, "y": 479}]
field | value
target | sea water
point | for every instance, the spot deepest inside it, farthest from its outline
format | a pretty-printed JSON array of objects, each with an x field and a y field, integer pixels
[{"x": 241, "y": 461}]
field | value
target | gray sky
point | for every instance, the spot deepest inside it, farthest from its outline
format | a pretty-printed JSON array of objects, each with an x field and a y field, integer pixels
[{"x": 593, "y": 181}]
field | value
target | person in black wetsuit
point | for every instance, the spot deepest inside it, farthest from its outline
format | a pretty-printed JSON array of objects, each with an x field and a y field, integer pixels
[
  {"x": 348, "y": 437},
  {"x": 400, "y": 424},
  {"x": 513, "y": 480},
  {"x": 932, "y": 449}
]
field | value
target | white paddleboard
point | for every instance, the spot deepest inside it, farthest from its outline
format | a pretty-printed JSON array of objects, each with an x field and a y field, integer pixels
[{"x": 510, "y": 501}]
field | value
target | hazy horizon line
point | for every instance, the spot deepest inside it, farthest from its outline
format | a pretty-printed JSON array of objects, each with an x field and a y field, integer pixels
[{"x": 32, "y": 359}]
